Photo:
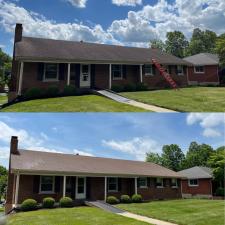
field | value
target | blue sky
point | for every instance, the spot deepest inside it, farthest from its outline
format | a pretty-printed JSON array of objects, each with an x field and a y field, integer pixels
[
  {"x": 124, "y": 22},
  {"x": 125, "y": 136}
]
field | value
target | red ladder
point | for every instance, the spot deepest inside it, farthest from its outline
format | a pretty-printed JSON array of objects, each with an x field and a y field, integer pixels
[{"x": 165, "y": 74}]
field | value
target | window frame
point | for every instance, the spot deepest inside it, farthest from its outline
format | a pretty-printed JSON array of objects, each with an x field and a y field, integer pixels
[
  {"x": 149, "y": 74},
  {"x": 174, "y": 186},
  {"x": 57, "y": 73},
  {"x": 116, "y": 183},
  {"x": 146, "y": 182},
  {"x": 182, "y": 73},
  {"x": 121, "y": 72},
  {"x": 199, "y": 72},
  {"x": 159, "y": 186},
  {"x": 193, "y": 185},
  {"x": 53, "y": 186}
]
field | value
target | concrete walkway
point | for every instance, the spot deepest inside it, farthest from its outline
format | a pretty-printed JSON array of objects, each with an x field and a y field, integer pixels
[{"x": 121, "y": 99}]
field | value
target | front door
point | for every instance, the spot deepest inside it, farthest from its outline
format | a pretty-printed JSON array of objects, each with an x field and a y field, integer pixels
[
  {"x": 81, "y": 188},
  {"x": 85, "y": 75}
]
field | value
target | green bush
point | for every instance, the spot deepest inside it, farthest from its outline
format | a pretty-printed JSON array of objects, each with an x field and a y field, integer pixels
[
  {"x": 125, "y": 199},
  {"x": 66, "y": 202},
  {"x": 70, "y": 90},
  {"x": 117, "y": 88},
  {"x": 52, "y": 91},
  {"x": 136, "y": 198},
  {"x": 29, "y": 205},
  {"x": 220, "y": 191},
  {"x": 33, "y": 93},
  {"x": 48, "y": 203},
  {"x": 112, "y": 200},
  {"x": 129, "y": 87},
  {"x": 141, "y": 87}
]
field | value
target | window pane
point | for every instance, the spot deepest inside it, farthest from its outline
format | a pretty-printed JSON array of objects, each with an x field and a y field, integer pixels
[
  {"x": 148, "y": 69},
  {"x": 117, "y": 71},
  {"x": 85, "y": 68},
  {"x": 112, "y": 184},
  {"x": 51, "y": 71},
  {"x": 46, "y": 183}
]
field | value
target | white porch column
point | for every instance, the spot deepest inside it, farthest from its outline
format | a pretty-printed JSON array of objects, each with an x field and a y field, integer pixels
[
  {"x": 64, "y": 186},
  {"x": 20, "y": 78},
  {"x": 135, "y": 183},
  {"x": 68, "y": 74},
  {"x": 105, "y": 189},
  {"x": 17, "y": 188},
  {"x": 141, "y": 74},
  {"x": 110, "y": 76}
]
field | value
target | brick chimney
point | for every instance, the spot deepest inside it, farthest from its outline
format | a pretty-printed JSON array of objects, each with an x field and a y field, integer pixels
[
  {"x": 18, "y": 32},
  {"x": 14, "y": 145}
]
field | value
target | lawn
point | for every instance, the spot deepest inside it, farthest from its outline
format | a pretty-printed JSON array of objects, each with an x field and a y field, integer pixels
[
  {"x": 3, "y": 99},
  {"x": 74, "y": 216},
  {"x": 183, "y": 212},
  {"x": 192, "y": 99},
  {"x": 87, "y": 103}
]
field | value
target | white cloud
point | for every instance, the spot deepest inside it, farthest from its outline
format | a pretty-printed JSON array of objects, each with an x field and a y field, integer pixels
[
  {"x": 127, "y": 2},
  {"x": 4, "y": 152},
  {"x": 77, "y": 3},
  {"x": 136, "y": 147},
  {"x": 83, "y": 153},
  {"x": 209, "y": 132}
]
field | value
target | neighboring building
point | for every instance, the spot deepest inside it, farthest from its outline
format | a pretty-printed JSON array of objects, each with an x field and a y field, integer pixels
[
  {"x": 205, "y": 69},
  {"x": 34, "y": 174},
  {"x": 39, "y": 62},
  {"x": 198, "y": 181}
]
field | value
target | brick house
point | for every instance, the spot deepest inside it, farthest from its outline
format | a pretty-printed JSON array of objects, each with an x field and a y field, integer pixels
[
  {"x": 205, "y": 69},
  {"x": 39, "y": 62},
  {"x": 198, "y": 181},
  {"x": 34, "y": 174}
]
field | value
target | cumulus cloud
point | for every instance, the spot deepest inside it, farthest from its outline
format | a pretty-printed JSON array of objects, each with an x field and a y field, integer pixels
[
  {"x": 77, "y": 3},
  {"x": 83, "y": 153},
  {"x": 136, "y": 147},
  {"x": 4, "y": 152},
  {"x": 127, "y": 2}
]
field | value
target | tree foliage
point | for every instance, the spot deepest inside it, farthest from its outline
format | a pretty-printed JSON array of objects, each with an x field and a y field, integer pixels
[
  {"x": 159, "y": 44},
  {"x": 3, "y": 181},
  {"x": 154, "y": 158},
  {"x": 220, "y": 49},
  {"x": 5, "y": 67}
]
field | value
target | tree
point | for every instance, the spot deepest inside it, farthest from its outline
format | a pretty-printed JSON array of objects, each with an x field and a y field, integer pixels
[
  {"x": 3, "y": 181},
  {"x": 155, "y": 43},
  {"x": 176, "y": 43},
  {"x": 154, "y": 158},
  {"x": 5, "y": 67},
  {"x": 172, "y": 157},
  {"x": 220, "y": 49}
]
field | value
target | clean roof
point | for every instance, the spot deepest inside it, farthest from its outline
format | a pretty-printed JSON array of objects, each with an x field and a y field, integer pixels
[
  {"x": 55, "y": 163},
  {"x": 203, "y": 59},
  {"x": 197, "y": 172}
]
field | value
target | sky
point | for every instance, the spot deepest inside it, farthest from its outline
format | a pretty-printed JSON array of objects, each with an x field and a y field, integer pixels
[
  {"x": 114, "y": 135},
  {"x": 123, "y": 22}
]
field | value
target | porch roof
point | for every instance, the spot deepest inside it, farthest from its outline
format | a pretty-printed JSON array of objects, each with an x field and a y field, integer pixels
[
  {"x": 35, "y": 162},
  {"x": 39, "y": 49}
]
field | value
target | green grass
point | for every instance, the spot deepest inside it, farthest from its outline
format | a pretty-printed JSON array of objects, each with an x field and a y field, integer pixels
[
  {"x": 74, "y": 216},
  {"x": 87, "y": 103},
  {"x": 183, "y": 212},
  {"x": 3, "y": 99},
  {"x": 193, "y": 99}
]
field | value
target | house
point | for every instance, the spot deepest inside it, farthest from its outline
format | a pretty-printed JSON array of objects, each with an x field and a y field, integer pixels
[
  {"x": 39, "y": 62},
  {"x": 34, "y": 174},
  {"x": 205, "y": 69},
  {"x": 198, "y": 182}
]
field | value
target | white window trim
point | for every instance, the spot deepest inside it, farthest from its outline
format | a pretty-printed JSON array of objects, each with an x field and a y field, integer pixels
[
  {"x": 47, "y": 192},
  {"x": 161, "y": 186},
  {"x": 117, "y": 78},
  {"x": 199, "y": 72},
  {"x": 149, "y": 74},
  {"x": 116, "y": 190},
  {"x": 146, "y": 182},
  {"x": 175, "y": 186},
  {"x": 182, "y": 73},
  {"x": 193, "y": 185},
  {"x": 51, "y": 80}
]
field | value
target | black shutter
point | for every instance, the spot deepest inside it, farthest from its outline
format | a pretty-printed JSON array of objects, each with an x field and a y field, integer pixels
[
  {"x": 185, "y": 69},
  {"x": 40, "y": 73},
  {"x": 119, "y": 184},
  {"x": 155, "y": 181},
  {"x": 124, "y": 71},
  {"x": 143, "y": 70},
  {"x": 62, "y": 71},
  {"x": 92, "y": 76},
  {"x": 170, "y": 69},
  {"x": 148, "y": 182},
  {"x": 164, "y": 182},
  {"x": 73, "y": 186},
  {"x": 36, "y": 184},
  {"x": 77, "y": 74},
  {"x": 153, "y": 69},
  {"x": 178, "y": 182},
  {"x": 57, "y": 184},
  {"x": 138, "y": 182},
  {"x": 176, "y": 70},
  {"x": 88, "y": 186}
]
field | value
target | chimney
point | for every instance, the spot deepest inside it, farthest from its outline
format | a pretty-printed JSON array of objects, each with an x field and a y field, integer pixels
[
  {"x": 14, "y": 145},
  {"x": 18, "y": 32}
]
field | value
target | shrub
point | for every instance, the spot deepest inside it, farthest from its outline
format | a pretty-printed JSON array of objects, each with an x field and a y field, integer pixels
[
  {"x": 220, "y": 191},
  {"x": 141, "y": 87},
  {"x": 48, "y": 203},
  {"x": 69, "y": 90},
  {"x": 52, "y": 91},
  {"x": 112, "y": 200},
  {"x": 33, "y": 93},
  {"x": 29, "y": 205},
  {"x": 125, "y": 199},
  {"x": 66, "y": 202},
  {"x": 136, "y": 198},
  {"x": 117, "y": 88},
  {"x": 129, "y": 87}
]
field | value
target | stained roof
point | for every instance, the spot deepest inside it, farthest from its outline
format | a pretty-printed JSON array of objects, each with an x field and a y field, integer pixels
[
  {"x": 58, "y": 50},
  {"x": 197, "y": 172},
  {"x": 203, "y": 59},
  {"x": 36, "y": 162}
]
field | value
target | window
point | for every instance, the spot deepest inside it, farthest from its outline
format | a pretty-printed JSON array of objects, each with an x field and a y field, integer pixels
[
  {"x": 174, "y": 182},
  {"x": 159, "y": 182},
  {"x": 180, "y": 70},
  {"x": 199, "y": 69},
  {"x": 148, "y": 70},
  {"x": 193, "y": 182},
  {"x": 117, "y": 72},
  {"x": 47, "y": 184},
  {"x": 51, "y": 72},
  {"x": 143, "y": 182},
  {"x": 112, "y": 184}
]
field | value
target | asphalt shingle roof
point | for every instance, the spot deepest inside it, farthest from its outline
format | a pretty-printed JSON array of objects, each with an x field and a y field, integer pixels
[
  {"x": 197, "y": 172},
  {"x": 203, "y": 59}
]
